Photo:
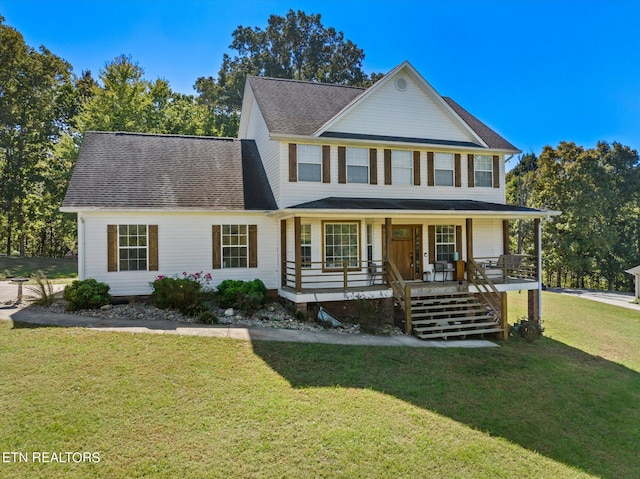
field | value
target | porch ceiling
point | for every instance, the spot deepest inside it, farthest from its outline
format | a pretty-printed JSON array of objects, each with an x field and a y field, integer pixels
[{"x": 404, "y": 206}]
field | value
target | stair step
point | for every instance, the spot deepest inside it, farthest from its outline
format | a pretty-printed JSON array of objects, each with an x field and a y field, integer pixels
[
  {"x": 473, "y": 313},
  {"x": 449, "y": 334},
  {"x": 447, "y": 307},
  {"x": 441, "y": 325},
  {"x": 441, "y": 295}
]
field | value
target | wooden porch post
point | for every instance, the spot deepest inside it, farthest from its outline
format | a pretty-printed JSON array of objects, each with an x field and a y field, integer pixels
[
  {"x": 534, "y": 300},
  {"x": 387, "y": 245},
  {"x": 297, "y": 233},
  {"x": 506, "y": 247},
  {"x": 283, "y": 253},
  {"x": 469, "y": 238},
  {"x": 504, "y": 314}
]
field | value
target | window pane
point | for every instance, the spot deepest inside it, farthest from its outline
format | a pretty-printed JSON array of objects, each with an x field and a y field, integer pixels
[
  {"x": 341, "y": 244},
  {"x": 484, "y": 178},
  {"x": 309, "y": 172},
  {"x": 357, "y": 174},
  {"x": 443, "y": 161},
  {"x": 444, "y": 178}
]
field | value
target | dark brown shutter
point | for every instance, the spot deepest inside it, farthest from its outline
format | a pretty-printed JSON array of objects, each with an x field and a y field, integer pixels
[
  {"x": 456, "y": 167},
  {"x": 153, "y": 247},
  {"x": 293, "y": 162},
  {"x": 217, "y": 251},
  {"x": 431, "y": 169},
  {"x": 459, "y": 241},
  {"x": 416, "y": 168},
  {"x": 472, "y": 171},
  {"x": 496, "y": 171},
  {"x": 342, "y": 164},
  {"x": 326, "y": 164},
  {"x": 253, "y": 246},
  {"x": 373, "y": 166},
  {"x": 431, "y": 232},
  {"x": 112, "y": 247},
  {"x": 387, "y": 167}
]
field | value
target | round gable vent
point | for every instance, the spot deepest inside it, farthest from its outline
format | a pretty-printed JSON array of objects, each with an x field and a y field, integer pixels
[{"x": 401, "y": 84}]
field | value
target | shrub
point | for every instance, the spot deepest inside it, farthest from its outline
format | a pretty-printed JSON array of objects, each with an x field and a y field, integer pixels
[
  {"x": 207, "y": 317},
  {"x": 244, "y": 295},
  {"x": 183, "y": 294},
  {"x": 528, "y": 330},
  {"x": 86, "y": 294}
]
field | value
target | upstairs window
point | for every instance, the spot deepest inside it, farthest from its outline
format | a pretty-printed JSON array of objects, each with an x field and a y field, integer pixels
[
  {"x": 483, "y": 170},
  {"x": 357, "y": 165},
  {"x": 443, "y": 166},
  {"x": 402, "y": 167},
  {"x": 309, "y": 163}
]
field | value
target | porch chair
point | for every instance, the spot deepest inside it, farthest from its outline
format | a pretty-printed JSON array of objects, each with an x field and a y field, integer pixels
[
  {"x": 374, "y": 272},
  {"x": 441, "y": 267}
]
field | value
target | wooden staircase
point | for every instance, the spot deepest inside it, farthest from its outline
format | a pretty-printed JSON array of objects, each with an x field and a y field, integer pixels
[
  {"x": 442, "y": 313},
  {"x": 455, "y": 314}
]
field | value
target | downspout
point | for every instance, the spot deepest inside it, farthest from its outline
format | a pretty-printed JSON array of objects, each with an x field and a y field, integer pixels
[{"x": 81, "y": 247}]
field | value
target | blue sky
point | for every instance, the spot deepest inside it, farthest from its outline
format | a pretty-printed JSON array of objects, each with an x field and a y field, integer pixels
[{"x": 539, "y": 72}]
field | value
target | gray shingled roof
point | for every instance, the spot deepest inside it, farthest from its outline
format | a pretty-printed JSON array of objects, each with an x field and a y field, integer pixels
[
  {"x": 140, "y": 171},
  {"x": 292, "y": 107},
  {"x": 411, "y": 204}
]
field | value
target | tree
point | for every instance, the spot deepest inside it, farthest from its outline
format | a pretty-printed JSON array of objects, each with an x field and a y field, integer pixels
[
  {"x": 35, "y": 101},
  {"x": 126, "y": 101},
  {"x": 297, "y": 46}
]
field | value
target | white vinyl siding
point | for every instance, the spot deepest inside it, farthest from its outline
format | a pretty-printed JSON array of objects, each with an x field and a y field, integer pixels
[
  {"x": 443, "y": 166},
  {"x": 184, "y": 245},
  {"x": 357, "y": 165}
]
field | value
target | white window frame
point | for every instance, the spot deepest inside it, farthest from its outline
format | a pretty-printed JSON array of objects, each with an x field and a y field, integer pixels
[
  {"x": 127, "y": 236},
  {"x": 333, "y": 250},
  {"x": 357, "y": 160},
  {"x": 445, "y": 241},
  {"x": 309, "y": 157},
  {"x": 443, "y": 163},
  {"x": 478, "y": 167},
  {"x": 398, "y": 157},
  {"x": 234, "y": 243},
  {"x": 305, "y": 245}
]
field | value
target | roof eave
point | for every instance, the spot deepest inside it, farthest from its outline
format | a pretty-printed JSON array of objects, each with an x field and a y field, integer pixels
[{"x": 288, "y": 212}]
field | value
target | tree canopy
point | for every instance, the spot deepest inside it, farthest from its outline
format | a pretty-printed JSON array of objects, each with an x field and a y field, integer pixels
[
  {"x": 297, "y": 46},
  {"x": 597, "y": 236}
]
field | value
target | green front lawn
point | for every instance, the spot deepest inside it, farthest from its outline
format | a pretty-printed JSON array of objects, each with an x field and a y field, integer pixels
[
  {"x": 53, "y": 268},
  {"x": 170, "y": 406}
]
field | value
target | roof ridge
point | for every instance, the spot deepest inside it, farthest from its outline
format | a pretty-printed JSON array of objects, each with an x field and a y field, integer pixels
[
  {"x": 292, "y": 80},
  {"x": 170, "y": 135}
]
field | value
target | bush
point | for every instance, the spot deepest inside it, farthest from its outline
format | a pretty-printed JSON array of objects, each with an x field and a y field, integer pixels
[
  {"x": 247, "y": 296},
  {"x": 43, "y": 290},
  {"x": 207, "y": 317},
  {"x": 183, "y": 294},
  {"x": 86, "y": 294},
  {"x": 528, "y": 330}
]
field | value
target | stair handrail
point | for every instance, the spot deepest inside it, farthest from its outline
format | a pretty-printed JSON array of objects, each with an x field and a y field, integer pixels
[
  {"x": 484, "y": 287},
  {"x": 401, "y": 292}
]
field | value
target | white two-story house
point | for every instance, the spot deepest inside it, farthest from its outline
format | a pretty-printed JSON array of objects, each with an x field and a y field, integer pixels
[{"x": 329, "y": 192}]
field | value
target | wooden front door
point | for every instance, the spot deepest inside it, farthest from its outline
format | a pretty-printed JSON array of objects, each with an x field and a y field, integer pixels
[{"x": 406, "y": 245}]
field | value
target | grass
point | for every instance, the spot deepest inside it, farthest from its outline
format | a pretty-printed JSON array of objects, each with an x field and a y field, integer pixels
[
  {"x": 168, "y": 406},
  {"x": 53, "y": 268}
]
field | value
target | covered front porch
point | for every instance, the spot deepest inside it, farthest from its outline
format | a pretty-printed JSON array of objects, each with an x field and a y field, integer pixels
[{"x": 364, "y": 255}]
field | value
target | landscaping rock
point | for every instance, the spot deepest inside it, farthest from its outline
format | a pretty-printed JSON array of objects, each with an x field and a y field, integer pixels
[{"x": 229, "y": 312}]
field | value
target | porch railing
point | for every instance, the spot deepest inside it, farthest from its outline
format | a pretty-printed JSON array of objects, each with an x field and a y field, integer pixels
[
  {"x": 477, "y": 276},
  {"x": 315, "y": 275},
  {"x": 509, "y": 267}
]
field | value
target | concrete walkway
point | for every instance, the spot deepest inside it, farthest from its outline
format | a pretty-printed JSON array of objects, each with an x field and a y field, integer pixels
[
  {"x": 624, "y": 300},
  {"x": 23, "y": 313}
]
